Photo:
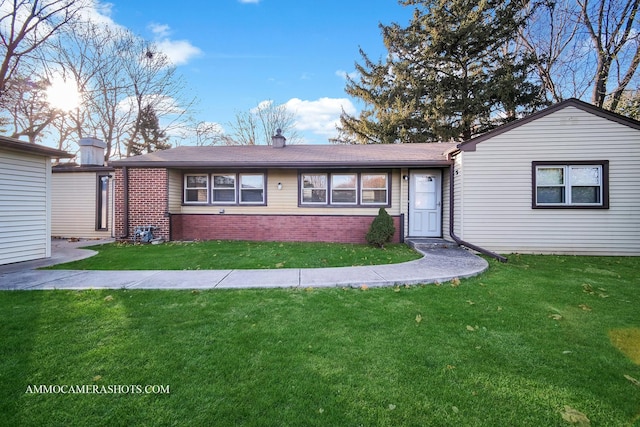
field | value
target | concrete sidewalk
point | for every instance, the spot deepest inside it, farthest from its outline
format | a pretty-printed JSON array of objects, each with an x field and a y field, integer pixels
[{"x": 439, "y": 264}]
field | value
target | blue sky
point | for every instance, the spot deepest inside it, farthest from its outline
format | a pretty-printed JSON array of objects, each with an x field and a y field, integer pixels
[{"x": 235, "y": 54}]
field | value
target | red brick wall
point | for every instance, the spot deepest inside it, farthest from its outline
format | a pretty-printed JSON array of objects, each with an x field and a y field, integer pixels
[
  {"x": 147, "y": 201},
  {"x": 304, "y": 228}
]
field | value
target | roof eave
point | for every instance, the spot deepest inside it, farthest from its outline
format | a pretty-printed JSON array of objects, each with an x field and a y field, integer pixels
[{"x": 277, "y": 165}]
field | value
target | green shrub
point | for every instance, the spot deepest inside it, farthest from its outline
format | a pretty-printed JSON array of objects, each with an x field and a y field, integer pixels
[{"x": 381, "y": 230}]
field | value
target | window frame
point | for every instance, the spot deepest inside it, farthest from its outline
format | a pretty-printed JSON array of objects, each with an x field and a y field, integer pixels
[
  {"x": 214, "y": 188},
  {"x": 353, "y": 189},
  {"x": 237, "y": 190},
  {"x": 566, "y": 186},
  {"x": 303, "y": 188},
  {"x": 329, "y": 203},
  {"x": 186, "y": 189},
  {"x": 363, "y": 189}
]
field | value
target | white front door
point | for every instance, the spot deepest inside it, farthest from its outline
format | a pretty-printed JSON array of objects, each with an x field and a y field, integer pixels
[{"x": 425, "y": 203}]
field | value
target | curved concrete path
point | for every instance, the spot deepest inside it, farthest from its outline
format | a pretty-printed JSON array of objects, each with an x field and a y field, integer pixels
[{"x": 439, "y": 264}]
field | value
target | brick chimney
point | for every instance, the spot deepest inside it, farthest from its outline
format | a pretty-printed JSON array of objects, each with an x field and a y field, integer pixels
[
  {"x": 92, "y": 152},
  {"x": 278, "y": 140}
]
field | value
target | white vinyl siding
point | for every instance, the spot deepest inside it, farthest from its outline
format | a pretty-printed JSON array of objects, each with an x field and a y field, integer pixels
[
  {"x": 74, "y": 205},
  {"x": 25, "y": 228},
  {"x": 493, "y": 198}
]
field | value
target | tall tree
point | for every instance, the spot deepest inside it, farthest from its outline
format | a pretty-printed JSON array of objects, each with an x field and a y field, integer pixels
[
  {"x": 150, "y": 136},
  {"x": 27, "y": 25},
  {"x": 452, "y": 73},
  {"x": 613, "y": 27}
]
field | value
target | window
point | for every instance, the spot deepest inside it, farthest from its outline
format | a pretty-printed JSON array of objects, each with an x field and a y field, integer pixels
[
  {"x": 574, "y": 185},
  {"x": 252, "y": 188},
  {"x": 374, "y": 189},
  {"x": 314, "y": 188},
  {"x": 224, "y": 188},
  {"x": 102, "y": 211},
  {"x": 344, "y": 189},
  {"x": 196, "y": 188}
]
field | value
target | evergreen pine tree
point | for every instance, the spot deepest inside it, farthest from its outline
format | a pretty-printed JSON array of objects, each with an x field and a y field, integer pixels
[
  {"x": 451, "y": 74},
  {"x": 151, "y": 138}
]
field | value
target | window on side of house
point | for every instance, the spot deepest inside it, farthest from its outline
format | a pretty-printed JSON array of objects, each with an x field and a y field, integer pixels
[
  {"x": 224, "y": 188},
  {"x": 252, "y": 189},
  {"x": 314, "y": 188},
  {"x": 196, "y": 188},
  {"x": 570, "y": 185},
  {"x": 374, "y": 189},
  {"x": 344, "y": 189}
]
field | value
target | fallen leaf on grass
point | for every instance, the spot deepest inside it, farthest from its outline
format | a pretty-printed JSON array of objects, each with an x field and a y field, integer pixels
[
  {"x": 470, "y": 302},
  {"x": 392, "y": 406},
  {"x": 108, "y": 298},
  {"x": 585, "y": 307},
  {"x": 574, "y": 416},
  {"x": 471, "y": 328},
  {"x": 555, "y": 316},
  {"x": 455, "y": 282},
  {"x": 364, "y": 288},
  {"x": 633, "y": 380},
  {"x": 418, "y": 318}
]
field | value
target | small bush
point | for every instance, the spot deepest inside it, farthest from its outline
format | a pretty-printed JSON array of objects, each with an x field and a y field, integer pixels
[{"x": 381, "y": 230}]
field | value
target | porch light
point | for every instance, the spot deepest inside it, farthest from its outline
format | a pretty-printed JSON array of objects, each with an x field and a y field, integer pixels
[{"x": 279, "y": 186}]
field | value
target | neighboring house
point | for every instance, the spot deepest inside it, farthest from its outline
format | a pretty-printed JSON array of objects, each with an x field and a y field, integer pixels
[
  {"x": 564, "y": 180},
  {"x": 82, "y": 202},
  {"x": 25, "y": 200}
]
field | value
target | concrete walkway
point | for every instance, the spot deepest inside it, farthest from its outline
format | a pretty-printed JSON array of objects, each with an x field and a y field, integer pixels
[{"x": 440, "y": 263}]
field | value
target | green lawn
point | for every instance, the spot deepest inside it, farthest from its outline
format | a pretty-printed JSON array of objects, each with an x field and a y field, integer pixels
[
  {"x": 223, "y": 255},
  {"x": 524, "y": 344}
]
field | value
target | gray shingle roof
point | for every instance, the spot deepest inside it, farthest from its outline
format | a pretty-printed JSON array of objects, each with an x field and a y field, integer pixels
[{"x": 295, "y": 156}]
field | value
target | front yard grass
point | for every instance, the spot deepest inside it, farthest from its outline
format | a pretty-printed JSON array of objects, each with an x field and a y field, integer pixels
[
  {"x": 223, "y": 255},
  {"x": 532, "y": 342}
]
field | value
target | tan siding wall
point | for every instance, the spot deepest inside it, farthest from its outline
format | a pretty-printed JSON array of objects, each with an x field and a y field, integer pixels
[
  {"x": 494, "y": 193},
  {"x": 24, "y": 207},
  {"x": 445, "y": 204},
  {"x": 74, "y": 206},
  {"x": 285, "y": 201},
  {"x": 175, "y": 191}
]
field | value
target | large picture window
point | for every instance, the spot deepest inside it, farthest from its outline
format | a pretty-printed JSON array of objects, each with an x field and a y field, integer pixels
[
  {"x": 344, "y": 189},
  {"x": 570, "y": 185},
  {"x": 226, "y": 189}
]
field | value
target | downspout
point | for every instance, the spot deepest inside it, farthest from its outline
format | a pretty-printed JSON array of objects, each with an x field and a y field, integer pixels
[
  {"x": 453, "y": 234},
  {"x": 125, "y": 208}
]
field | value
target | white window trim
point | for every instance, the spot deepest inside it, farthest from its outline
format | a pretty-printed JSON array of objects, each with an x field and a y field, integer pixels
[
  {"x": 567, "y": 185},
  {"x": 186, "y": 189},
  {"x": 354, "y": 189},
  {"x": 325, "y": 188},
  {"x": 214, "y": 188},
  {"x": 240, "y": 189},
  {"x": 363, "y": 189}
]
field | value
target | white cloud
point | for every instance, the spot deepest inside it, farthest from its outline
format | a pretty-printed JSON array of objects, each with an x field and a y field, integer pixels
[
  {"x": 321, "y": 116},
  {"x": 343, "y": 74},
  {"x": 178, "y": 51},
  {"x": 160, "y": 30}
]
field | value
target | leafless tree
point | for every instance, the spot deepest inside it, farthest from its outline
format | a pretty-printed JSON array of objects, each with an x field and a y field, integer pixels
[
  {"x": 25, "y": 26},
  {"x": 585, "y": 46},
  {"x": 614, "y": 30},
  {"x": 257, "y": 126}
]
